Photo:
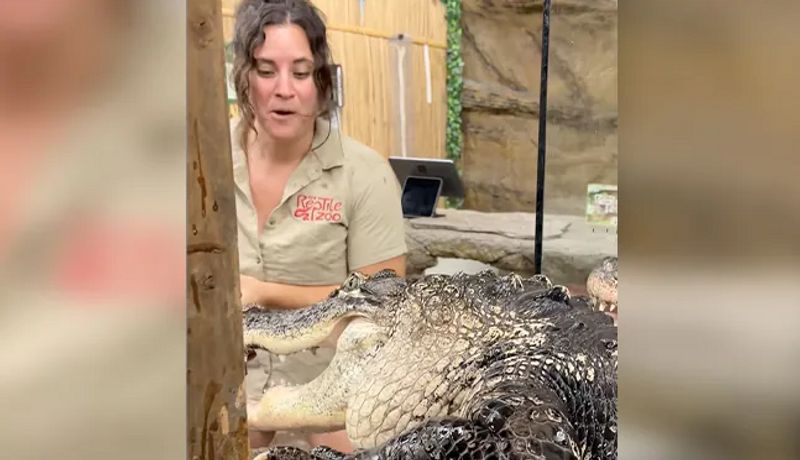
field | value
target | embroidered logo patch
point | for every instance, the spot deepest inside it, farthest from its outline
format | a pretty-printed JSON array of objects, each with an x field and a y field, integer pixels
[{"x": 318, "y": 209}]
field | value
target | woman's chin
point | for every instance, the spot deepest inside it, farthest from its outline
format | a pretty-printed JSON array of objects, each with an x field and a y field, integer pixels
[
  {"x": 282, "y": 133},
  {"x": 285, "y": 130}
]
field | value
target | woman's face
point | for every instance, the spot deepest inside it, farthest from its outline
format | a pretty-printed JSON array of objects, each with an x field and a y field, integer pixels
[{"x": 282, "y": 88}]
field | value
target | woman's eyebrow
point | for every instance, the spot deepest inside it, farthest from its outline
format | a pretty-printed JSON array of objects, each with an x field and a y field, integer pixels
[{"x": 302, "y": 60}]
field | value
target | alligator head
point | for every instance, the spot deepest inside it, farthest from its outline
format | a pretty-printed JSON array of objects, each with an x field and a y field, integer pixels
[
  {"x": 289, "y": 331},
  {"x": 601, "y": 285},
  {"x": 473, "y": 352},
  {"x": 356, "y": 319}
]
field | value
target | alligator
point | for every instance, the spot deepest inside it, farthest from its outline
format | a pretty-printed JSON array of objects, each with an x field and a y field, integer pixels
[
  {"x": 481, "y": 366},
  {"x": 601, "y": 285}
]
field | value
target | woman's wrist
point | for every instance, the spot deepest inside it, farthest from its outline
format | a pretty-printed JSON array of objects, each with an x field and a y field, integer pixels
[
  {"x": 264, "y": 293},
  {"x": 255, "y": 291}
]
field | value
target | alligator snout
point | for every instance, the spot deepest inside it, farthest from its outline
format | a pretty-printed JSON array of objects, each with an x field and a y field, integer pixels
[{"x": 289, "y": 331}]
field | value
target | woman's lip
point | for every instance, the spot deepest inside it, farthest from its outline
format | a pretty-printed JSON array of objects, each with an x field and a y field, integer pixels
[{"x": 281, "y": 116}]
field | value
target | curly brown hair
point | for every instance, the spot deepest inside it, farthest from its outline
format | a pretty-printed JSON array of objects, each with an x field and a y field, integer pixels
[{"x": 252, "y": 16}]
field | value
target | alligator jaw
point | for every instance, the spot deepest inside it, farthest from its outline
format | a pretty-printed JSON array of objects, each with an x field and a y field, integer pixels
[
  {"x": 292, "y": 408},
  {"x": 320, "y": 405},
  {"x": 290, "y": 331}
]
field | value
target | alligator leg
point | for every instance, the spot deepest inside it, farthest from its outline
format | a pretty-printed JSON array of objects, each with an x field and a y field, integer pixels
[
  {"x": 294, "y": 453},
  {"x": 282, "y": 453},
  {"x": 463, "y": 440},
  {"x": 450, "y": 439},
  {"x": 498, "y": 428},
  {"x": 326, "y": 453},
  {"x": 456, "y": 439},
  {"x": 530, "y": 419}
]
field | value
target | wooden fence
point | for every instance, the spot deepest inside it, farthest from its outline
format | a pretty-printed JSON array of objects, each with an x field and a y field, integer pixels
[{"x": 393, "y": 101}]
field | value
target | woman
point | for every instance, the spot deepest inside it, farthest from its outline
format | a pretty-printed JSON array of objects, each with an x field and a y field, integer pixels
[{"x": 312, "y": 205}]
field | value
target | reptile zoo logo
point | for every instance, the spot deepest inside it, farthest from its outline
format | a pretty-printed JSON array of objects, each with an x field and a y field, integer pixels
[{"x": 318, "y": 209}]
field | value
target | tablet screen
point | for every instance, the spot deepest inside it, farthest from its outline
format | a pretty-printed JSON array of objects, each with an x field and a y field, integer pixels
[{"x": 420, "y": 195}]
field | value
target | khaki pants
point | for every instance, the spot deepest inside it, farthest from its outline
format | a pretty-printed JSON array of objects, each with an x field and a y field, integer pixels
[{"x": 267, "y": 370}]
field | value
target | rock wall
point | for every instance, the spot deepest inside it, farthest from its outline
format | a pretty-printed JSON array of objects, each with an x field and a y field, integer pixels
[
  {"x": 571, "y": 247},
  {"x": 501, "y": 46}
]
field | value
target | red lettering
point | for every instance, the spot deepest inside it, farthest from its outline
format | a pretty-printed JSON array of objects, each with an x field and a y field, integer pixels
[
  {"x": 302, "y": 202},
  {"x": 318, "y": 209},
  {"x": 301, "y": 213}
]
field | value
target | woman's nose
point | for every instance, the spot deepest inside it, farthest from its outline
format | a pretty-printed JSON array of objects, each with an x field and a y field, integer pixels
[{"x": 283, "y": 87}]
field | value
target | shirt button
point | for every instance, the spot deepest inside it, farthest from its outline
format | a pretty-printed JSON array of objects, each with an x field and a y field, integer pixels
[
  {"x": 272, "y": 221},
  {"x": 258, "y": 260}
]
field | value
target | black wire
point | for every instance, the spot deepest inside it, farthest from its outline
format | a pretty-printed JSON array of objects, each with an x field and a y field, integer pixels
[
  {"x": 326, "y": 137},
  {"x": 537, "y": 252}
]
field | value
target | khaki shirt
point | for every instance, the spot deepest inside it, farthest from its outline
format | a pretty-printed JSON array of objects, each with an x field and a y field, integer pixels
[{"x": 340, "y": 211}]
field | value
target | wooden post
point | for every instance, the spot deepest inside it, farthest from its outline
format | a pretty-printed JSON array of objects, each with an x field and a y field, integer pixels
[{"x": 217, "y": 419}]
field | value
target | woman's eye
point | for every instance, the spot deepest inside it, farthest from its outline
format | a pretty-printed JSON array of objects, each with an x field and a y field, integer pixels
[
  {"x": 265, "y": 73},
  {"x": 302, "y": 75}
]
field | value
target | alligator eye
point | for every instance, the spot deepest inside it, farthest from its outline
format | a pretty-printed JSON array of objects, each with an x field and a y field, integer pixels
[{"x": 352, "y": 282}]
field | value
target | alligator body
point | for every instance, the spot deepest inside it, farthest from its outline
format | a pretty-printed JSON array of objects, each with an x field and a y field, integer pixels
[{"x": 449, "y": 367}]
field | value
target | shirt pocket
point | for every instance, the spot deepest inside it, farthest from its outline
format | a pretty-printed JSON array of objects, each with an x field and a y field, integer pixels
[{"x": 312, "y": 253}]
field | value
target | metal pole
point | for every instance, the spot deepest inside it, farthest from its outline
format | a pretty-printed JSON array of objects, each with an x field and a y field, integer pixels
[{"x": 537, "y": 258}]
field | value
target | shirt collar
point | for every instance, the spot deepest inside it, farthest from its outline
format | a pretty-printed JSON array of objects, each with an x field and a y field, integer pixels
[{"x": 327, "y": 144}]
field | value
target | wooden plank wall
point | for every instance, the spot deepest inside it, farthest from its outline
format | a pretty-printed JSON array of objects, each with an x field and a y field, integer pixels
[{"x": 364, "y": 48}]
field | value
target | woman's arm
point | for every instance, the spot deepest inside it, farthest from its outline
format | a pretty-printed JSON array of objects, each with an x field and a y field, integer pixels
[
  {"x": 295, "y": 296},
  {"x": 398, "y": 264},
  {"x": 281, "y": 295}
]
